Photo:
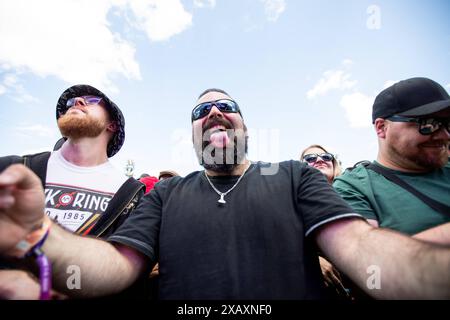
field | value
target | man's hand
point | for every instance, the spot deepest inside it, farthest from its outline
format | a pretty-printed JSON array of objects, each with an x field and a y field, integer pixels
[
  {"x": 22, "y": 285},
  {"x": 21, "y": 205},
  {"x": 332, "y": 277},
  {"x": 18, "y": 285}
]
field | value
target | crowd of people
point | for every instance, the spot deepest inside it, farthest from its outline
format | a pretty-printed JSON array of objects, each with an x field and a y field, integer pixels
[{"x": 239, "y": 229}]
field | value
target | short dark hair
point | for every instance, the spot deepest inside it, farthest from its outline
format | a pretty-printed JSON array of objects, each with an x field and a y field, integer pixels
[{"x": 212, "y": 90}]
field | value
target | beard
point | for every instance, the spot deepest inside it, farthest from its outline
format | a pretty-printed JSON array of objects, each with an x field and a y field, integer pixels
[
  {"x": 222, "y": 159},
  {"x": 226, "y": 159},
  {"x": 425, "y": 159},
  {"x": 75, "y": 127}
]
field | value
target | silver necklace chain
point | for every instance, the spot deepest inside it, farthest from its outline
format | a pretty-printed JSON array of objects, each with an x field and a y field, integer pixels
[{"x": 223, "y": 194}]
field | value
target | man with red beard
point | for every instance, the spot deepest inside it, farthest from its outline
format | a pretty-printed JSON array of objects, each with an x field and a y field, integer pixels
[
  {"x": 81, "y": 185},
  {"x": 236, "y": 230},
  {"x": 412, "y": 122}
]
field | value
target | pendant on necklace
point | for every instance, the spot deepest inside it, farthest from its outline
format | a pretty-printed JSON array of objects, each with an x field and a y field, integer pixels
[{"x": 222, "y": 199}]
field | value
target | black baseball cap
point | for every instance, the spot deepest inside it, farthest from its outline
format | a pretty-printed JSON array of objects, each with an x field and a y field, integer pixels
[
  {"x": 413, "y": 97},
  {"x": 118, "y": 139}
]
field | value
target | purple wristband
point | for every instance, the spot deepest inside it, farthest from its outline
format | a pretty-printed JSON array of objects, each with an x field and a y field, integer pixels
[
  {"x": 45, "y": 269},
  {"x": 45, "y": 274}
]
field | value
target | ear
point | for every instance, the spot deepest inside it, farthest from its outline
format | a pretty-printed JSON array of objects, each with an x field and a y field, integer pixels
[
  {"x": 381, "y": 127},
  {"x": 112, "y": 126}
]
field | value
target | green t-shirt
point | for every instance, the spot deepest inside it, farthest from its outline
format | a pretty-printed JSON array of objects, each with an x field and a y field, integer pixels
[{"x": 373, "y": 196}]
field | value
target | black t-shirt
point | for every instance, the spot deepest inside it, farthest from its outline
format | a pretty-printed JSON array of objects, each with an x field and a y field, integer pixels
[{"x": 253, "y": 247}]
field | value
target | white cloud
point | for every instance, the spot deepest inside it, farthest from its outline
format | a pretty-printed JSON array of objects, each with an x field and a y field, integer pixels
[
  {"x": 10, "y": 80},
  {"x": 13, "y": 86},
  {"x": 24, "y": 97},
  {"x": 36, "y": 131},
  {"x": 273, "y": 9},
  {"x": 160, "y": 19},
  {"x": 358, "y": 109},
  {"x": 204, "y": 3},
  {"x": 332, "y": 79},
  {"x": 73, "y": 40},
  {"x": 68, "y": 39}
]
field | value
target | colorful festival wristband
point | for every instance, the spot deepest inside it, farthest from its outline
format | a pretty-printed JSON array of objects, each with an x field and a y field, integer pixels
[
  {"x": 38, "y": 236},
  {"x": 31, "y": 246}
]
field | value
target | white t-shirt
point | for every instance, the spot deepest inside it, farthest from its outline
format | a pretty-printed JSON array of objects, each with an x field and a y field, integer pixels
[{"x": 76, "y": 197}]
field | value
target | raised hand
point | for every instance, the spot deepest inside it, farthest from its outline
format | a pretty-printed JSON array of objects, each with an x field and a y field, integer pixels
[{"x": 21, "y": 205}]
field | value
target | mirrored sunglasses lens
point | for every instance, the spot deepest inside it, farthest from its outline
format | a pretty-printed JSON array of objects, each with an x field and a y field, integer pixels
[
  {"x": 92, "y": 99},
  {"x": 195, "y": 114},
  {"x": 223, "y": 105},
  {"x": 310, "y": 158},
  {"x": 428, "y": 126},
  {"x": 70, "y": 102},
  {"x": 426, "y": 130},
  {"x": 200, "y": 111},
  {"x": 326, "y": 156},
  {"x": 226, "y": 105},
  {"x": 204, "y": 109}
]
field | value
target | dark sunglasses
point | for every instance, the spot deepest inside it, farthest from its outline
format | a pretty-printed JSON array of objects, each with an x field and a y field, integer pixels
[
  {"x": 224, "y": 105},
  {"x": 427, "y": 126},
  {"x": 312, "y": 157},
  {"x": 87, "y": 100}
]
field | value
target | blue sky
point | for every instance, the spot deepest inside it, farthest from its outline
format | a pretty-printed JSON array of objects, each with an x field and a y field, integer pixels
[{"x": 303, "y": 72}]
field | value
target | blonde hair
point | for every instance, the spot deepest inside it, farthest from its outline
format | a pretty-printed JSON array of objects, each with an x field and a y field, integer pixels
[{"x": 337, "y": 169}]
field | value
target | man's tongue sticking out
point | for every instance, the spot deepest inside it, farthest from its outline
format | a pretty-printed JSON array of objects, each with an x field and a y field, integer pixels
[{"x": 219, "y": 139}]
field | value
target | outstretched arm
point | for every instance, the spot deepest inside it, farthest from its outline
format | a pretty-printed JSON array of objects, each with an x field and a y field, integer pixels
[
  {"x": 407, "y": 268},
  {"x": 439, "y": 234},
  {"x": 104, "y": 268}
]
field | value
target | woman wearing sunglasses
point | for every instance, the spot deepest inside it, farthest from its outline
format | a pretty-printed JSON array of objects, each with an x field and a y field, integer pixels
[{"x": 318, "y": 157}]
